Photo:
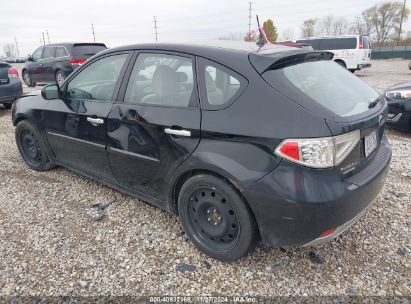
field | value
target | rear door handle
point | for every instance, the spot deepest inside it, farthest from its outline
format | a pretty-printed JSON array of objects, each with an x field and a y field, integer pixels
[
  {"x": 95, "y": 121},
  {"x": 178, "y": 132}
]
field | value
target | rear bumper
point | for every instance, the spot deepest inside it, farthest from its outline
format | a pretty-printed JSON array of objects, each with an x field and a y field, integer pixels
[
  {"x": 293, "y": 205},
  {"x": 11, "y": 91},
  {"x": 363, "y": 66}
]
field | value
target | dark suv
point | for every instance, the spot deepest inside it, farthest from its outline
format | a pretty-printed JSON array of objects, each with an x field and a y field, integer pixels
[{"x": 54, "y": 62}]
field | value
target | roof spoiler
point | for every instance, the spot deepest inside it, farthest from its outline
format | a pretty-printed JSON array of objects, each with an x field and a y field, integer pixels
[{"x": 278, "y": 60}]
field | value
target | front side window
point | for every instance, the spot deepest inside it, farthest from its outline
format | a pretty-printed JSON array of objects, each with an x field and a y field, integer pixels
[
  {"x": 37, "y": 54},
  {"x": 97, "y": 81},
  {"x": 325, "y": 83},
  {"x": 163, "y": 80},
  {"x": 49, "y": 52}
]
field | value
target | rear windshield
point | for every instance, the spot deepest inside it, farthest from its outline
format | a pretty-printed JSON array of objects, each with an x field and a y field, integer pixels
[
  {"x": 326, "y": 83},
  {"x": 331, "y": 43},
  {"x": 87, "y": 50}
]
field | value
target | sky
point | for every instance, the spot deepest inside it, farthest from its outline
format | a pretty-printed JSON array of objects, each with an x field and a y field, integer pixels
[{"x": 123, "y": 22}]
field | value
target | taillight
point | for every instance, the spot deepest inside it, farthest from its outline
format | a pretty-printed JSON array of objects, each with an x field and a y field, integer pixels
[
  {"x": 13, "y": 73},
  {"x": 360, "y": 45},
  {"x": 77, "y": 61},
  {"x": 323, "y": 152}
]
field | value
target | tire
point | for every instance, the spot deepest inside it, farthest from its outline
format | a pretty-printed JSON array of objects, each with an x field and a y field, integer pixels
[
  {"x": 216, "y": 218},
  {"x": 31, "y": 147},
  {"x": 7, "y": 105},
  {"x": 27, "y": 79},
  {"x": 59, "y": 77},
  {"x": 341, "y": 63},
  {"x": 352, "y": 71}
]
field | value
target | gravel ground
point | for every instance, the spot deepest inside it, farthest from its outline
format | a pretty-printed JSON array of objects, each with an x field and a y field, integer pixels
[{"x": 63, "y": 234}]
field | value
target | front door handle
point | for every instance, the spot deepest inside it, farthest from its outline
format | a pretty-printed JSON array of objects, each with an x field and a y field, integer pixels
[
  {"x": 95, "y": 121},
  {"x": 178, "y": 132}
]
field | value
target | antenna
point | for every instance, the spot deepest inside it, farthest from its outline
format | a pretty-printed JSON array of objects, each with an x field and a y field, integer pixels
[
  {"x": 249, "y": 20},
  {"x": 261, "y": 41},
  {"x": 155, "y": 28},
  {"x": 92, "y": 30},
  {"x": 17, "y": 47}
]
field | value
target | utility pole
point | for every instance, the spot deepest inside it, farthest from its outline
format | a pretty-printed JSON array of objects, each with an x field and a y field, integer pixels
[
  {"x": 402, "y": 19},
  {"x": 249, "y": 20},
  {"x": 44, "y": 41},
  {"x": 48, "y": 37},
  {"x": 155, "y": 28},
  {"x": 17, "y": 47},
  {"x": 92, "y": 29}
]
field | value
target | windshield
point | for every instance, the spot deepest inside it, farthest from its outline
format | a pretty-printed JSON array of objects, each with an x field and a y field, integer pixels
[{"x": 327, "y": 84}]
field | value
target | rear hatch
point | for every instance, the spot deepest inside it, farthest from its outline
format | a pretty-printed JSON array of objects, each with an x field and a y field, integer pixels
[
  {"x": 4, "y": 69},
  {"x": 87, "y": 50},
  {"x": 345, "y": 102}
]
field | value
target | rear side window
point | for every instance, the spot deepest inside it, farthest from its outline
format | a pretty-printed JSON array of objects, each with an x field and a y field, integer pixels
[
  {"x": 222, "y": 85},
  {"x": 325, "y": 83},
  {"x": 162, "y": 80},
  {"x": 49, "y": 52},
  {"x": 338, "y": 44},
  {"x": 61, "y": 52},
  {"x": 87, "y": 50}
]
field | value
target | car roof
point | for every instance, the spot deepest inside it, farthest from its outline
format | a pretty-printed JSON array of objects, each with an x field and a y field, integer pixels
[{"x": 208, "y": 48}]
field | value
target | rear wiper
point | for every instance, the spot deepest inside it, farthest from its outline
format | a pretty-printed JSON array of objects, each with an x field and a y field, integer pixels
[{"x": 373, "y": 103}]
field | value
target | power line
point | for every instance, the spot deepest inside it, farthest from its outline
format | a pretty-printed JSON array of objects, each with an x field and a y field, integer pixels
[
  {"x": 249, "y": 19},
  {"x": 92, "y": 30},
  {"x": 17, "y": 47},
  {"x": 155, "y": 28}
]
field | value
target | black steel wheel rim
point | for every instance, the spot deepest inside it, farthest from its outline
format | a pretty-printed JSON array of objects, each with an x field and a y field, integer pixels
[
  {"x": 30, "y": 146},
  {"x": 213, "y": 218}
]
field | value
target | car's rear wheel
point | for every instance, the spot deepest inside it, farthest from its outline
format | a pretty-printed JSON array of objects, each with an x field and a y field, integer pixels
[
  {"x": 31, "y": 147},
  {"x": 28, "y": 80},
  {"x": 216, "y": 218},
  {"x": 7, "y": 105},
  {"x": 60, "y": 77}
]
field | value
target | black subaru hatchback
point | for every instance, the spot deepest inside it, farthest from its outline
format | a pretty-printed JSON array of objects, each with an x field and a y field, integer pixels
[{"x": 242, "y": 143}]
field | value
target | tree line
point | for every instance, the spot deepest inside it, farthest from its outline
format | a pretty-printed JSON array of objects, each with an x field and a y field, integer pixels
[{"x": 382, "y": 22}]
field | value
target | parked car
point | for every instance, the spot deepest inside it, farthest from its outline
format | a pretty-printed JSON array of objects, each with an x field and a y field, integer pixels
[
  {"x": 240, "y": 142},
  {"x": 10, "y": 84},
  {"x": 54, "y": 62},
  {"x": 399, "y": 105},
  {"x": 353, "y": 52}
]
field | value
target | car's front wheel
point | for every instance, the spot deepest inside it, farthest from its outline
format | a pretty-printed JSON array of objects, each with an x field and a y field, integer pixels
[
  {"x": 60, "y": 77},
  {"x": 31, "y": 147},
  {"x": 216, "y": 218},
  {"x": 28, "y": 80}
]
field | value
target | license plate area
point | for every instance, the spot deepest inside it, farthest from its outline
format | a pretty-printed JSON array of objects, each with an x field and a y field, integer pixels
[{"x": 370, "y": 143}]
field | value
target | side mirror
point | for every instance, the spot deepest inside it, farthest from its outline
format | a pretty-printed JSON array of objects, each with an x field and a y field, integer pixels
[
  {"x": 30, "y": 59},
  {"x": 50, "y": 92}
]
